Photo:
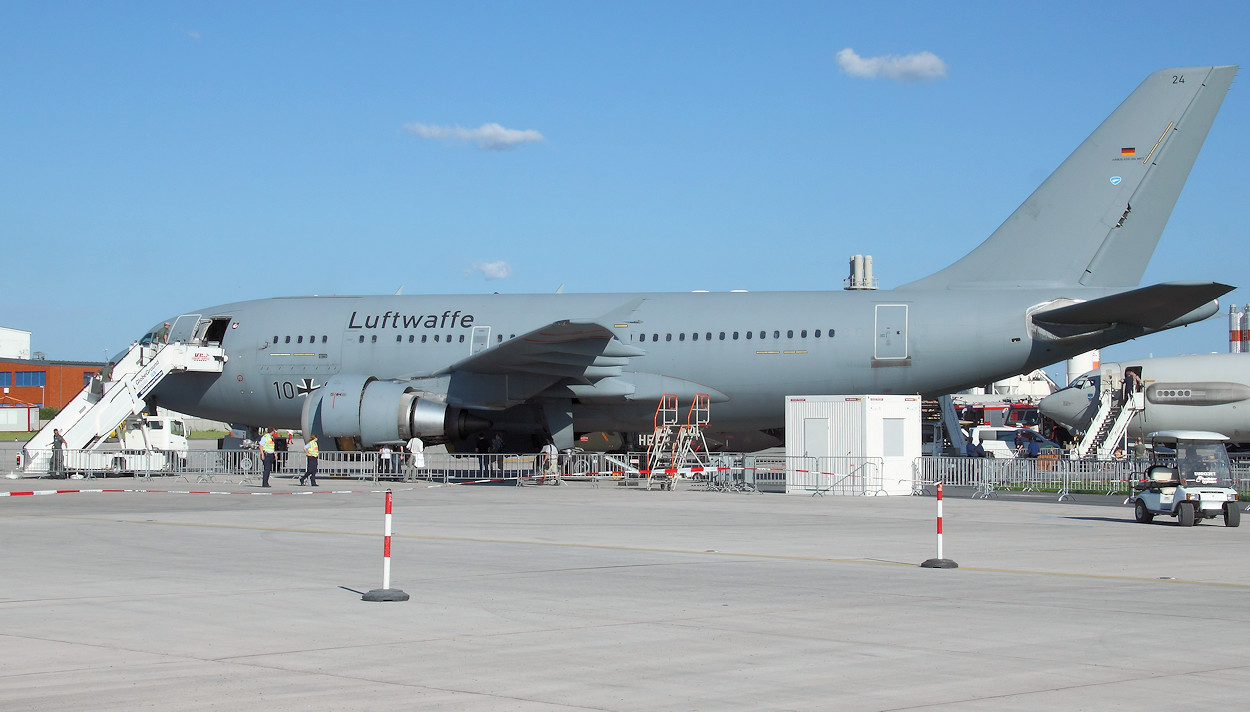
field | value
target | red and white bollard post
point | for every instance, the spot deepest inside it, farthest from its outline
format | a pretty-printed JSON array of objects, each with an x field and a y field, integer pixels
[
  {"x": 939, "y": 562},
  {"x": 386, "y": 593}
]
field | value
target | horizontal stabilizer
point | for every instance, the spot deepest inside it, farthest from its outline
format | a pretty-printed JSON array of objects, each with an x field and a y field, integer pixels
[{"x": 1152, "y": 307}]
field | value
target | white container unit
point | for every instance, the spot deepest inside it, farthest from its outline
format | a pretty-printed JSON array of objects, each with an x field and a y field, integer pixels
[{"x": 855, "y": 444}]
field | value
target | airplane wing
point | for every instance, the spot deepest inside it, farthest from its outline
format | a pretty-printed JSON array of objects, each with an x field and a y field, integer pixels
[
  {"x": 1153, "y": 307},
  {"x": 570, "y": 348},
  {"x": 579, "y": 357}
]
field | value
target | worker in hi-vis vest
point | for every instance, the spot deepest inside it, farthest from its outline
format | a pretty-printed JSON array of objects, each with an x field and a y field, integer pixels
[
  {"x": 312, "y": 451},
  {"x": 266, "y": 456}
]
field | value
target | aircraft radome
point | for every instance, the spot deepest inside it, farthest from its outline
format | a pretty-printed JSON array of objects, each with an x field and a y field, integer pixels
[{"x": 371, "y": 369}]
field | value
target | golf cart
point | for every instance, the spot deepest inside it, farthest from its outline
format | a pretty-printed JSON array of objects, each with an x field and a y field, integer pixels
[{"x": 1194, "y": 484}]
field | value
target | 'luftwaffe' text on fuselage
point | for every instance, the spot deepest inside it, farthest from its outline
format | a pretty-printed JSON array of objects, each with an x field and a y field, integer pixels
[{"x": 395, "y": 320}]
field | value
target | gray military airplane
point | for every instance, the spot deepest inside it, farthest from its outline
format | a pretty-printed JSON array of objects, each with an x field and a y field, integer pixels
[
  {"x": 1208, "y": 392},
  {"x": 371, "y": 369}
]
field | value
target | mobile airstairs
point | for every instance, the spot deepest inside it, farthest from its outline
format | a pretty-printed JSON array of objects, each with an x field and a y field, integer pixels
[
  {"x": 1110, "y": 422},
  {"x": 104, "y": 404}
]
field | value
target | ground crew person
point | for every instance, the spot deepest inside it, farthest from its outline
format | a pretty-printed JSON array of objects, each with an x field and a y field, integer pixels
[
  {"x": 58, "y": 454},
  {"x": 311, "y": 450},
  {"x": 551, "y": 466},
  {"x": 266, "y": 456}
]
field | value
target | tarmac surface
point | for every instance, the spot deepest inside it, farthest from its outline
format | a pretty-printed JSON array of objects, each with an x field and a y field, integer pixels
[{"x": 609, "y": 598}]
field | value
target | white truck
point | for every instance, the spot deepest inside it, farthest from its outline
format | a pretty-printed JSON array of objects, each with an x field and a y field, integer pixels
[
  {"x": 1000, "y": 441},
  {"x": 145, "y": 444},
  {"x": 1196, "y": 484}
]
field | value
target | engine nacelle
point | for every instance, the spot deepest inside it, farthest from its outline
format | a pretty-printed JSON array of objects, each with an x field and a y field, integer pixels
[{"x": 375, "y": 411}]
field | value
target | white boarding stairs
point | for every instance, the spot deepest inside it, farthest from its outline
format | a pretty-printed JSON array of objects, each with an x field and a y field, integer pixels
[
  {"x": 1108, "y": 425},
  {"x": 99, "y": 408}
]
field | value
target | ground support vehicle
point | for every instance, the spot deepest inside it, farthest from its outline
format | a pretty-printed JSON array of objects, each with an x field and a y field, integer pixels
[
  {"x": 1193, "y": 485},
  {"x": 145, "y": 444}
]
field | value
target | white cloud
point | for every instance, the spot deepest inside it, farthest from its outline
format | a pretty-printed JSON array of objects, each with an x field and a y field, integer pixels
[
  {"x": 491, "y": 270},
  {"x": 488, "y": 137},
  {"x": 919, "y": 67}
]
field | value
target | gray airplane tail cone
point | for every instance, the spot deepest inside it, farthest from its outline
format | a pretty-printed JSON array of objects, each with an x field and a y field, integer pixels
[{"x": 385, "y": 594}]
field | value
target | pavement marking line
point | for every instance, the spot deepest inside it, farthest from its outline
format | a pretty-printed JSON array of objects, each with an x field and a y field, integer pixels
[
  {"x": 643, "y": 549},
  {"x": 279, "y": 493}
]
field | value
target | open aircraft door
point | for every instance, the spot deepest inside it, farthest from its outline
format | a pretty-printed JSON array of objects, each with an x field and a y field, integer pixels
[{"x": 183, "y": 328}]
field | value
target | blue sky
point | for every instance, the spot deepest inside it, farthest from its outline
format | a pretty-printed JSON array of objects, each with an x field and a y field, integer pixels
[{"x": 161, "y": 157}]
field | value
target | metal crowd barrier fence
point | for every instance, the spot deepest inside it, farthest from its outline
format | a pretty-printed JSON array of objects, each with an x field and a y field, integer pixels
[
  {"x": 246, "y": 465},
  {"x": 1061, "y": 477},
  {"x": 815, "y": 475},
  {"x": 834, "y": 475},
  {"x": 725, "y": 472}
]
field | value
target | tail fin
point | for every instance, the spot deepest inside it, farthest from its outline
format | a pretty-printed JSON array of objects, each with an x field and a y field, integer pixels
[{"x": 1100, "y": 214}]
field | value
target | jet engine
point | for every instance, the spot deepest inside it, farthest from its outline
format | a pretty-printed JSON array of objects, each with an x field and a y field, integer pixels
[{"x": 375, "y": 411}]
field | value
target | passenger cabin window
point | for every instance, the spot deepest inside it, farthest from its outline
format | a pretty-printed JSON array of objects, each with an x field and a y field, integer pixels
[
  {"x": 287, "y": 341},
  {"x": 374, "y": 339},
  {"x": 681, "y": 336},
  {"x": 423, "y": 337}
]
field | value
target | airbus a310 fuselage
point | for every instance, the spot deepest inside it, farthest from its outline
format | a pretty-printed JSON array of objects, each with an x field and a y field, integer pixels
[{"x": 373, "y": 369}]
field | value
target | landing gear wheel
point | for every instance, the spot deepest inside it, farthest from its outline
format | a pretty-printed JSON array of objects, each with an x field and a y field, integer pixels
[
  {"x": 1185, "y": 515},
  {"x": 1143, "y": 515},
  {"x": 1232, "y": 515}
]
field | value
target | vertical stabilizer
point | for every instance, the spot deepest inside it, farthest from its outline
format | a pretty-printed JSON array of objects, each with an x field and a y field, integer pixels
[{"x": 1098, "y": 217}]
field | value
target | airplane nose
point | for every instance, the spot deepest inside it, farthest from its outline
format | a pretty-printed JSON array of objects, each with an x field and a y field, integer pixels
[{"x": 1060, "y": 408}]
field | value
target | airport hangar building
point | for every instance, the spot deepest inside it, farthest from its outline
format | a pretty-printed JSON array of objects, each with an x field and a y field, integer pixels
[
  {"x": 25, "y": 381},
  {"x": 44, "y": 383}
]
